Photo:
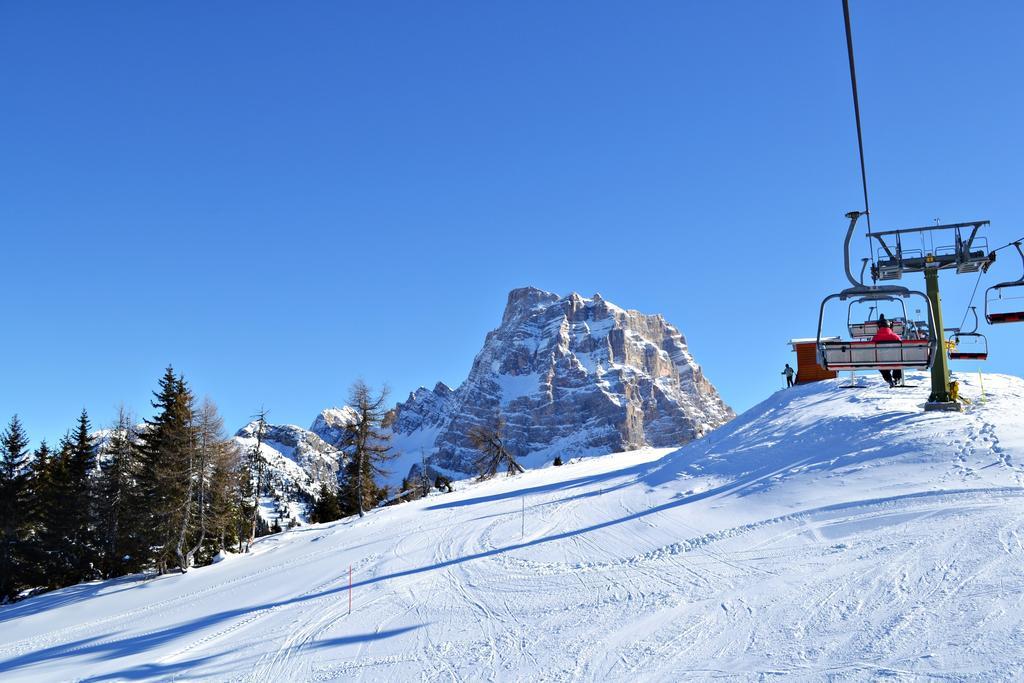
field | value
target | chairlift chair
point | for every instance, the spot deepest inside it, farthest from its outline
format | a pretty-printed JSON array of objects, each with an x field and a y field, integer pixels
[
  {"x": 970, "y": 345},
  {"x": 869, "y": 328},
  {"x": 1004, "y": 303},
  {"x": 912, "y": 354},
  {"x": 838, "y": 355}
]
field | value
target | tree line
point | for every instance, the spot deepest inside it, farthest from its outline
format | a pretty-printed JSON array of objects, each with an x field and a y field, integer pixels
[
  {"x": 171, "y": 493},
  {"x": 166, "y": 495}
]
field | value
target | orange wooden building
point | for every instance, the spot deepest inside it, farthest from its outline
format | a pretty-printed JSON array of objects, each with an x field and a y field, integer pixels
[{"x": 807, "y": 368}]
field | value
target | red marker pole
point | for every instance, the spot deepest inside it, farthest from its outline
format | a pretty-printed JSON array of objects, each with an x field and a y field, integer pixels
[{"x": 350, "y": 589}]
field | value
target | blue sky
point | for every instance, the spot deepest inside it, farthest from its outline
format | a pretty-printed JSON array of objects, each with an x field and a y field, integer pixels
[{"x": 280, "y": 198}]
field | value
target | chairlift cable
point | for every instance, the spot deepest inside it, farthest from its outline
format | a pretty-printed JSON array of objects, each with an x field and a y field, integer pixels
[
  {"x": 1009, "y": 244},
  {"x": 971, "y": 302},
  {"x": 856, "y": 116}
]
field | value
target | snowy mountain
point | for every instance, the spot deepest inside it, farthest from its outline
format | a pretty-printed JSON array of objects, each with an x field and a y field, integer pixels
[
  {"x": 826, "y": 534},
  {"x": 331, "y": 423},
  {"x": 570, "y": 376},
  {"x": 298, "y": 462}
]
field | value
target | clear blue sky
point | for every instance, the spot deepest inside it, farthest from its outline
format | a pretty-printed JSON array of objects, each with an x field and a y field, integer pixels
[{"x": 279, "y": 198}]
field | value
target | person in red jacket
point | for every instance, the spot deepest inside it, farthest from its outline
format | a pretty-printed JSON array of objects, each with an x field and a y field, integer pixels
[{"x": 885, "y": 334}]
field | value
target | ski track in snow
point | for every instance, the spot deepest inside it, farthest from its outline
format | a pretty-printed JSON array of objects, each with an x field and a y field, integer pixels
[{"x": 826, "y": 534}]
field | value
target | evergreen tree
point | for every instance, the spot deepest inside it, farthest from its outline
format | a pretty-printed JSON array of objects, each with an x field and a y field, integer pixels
[
  {"x": 42, "y": 497},
  {"x": 245, "y": 506},
  {"x": 558, "y": 461},
  {"x": 79, "y": 501},
  {"x": 326, "y": 507},
  {"x": 120, "y": 509},
  {"x": 257, "y": 468},
  {"x": 167, "y": 470},
  {"x": 55, "y": 527},
  {"x": 170, "y": 493},
  {"x": 15, "y": 511},
  {"x": 366, "y": 444}
]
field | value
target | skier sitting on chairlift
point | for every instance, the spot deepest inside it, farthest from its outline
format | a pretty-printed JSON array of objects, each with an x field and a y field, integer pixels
[{"x": 885, "y": 334}]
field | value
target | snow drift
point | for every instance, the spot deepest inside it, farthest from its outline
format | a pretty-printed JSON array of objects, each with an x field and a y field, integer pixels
[{"x": 826, "y": 533}]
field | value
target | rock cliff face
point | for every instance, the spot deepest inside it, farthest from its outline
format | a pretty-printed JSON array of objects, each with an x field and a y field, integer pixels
[
  {"x": 330, "y": 424},
  {"x": 570, "y": 376}
]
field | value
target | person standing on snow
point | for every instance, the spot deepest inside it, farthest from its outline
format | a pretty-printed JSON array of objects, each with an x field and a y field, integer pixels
[
  {"x": 789, "y": 372},
  {"x": 885, "y": 334}
]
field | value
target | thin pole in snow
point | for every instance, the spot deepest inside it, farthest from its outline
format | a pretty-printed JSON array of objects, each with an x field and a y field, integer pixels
[
  {"x": 350, "y": 589},
  {"x": 982, "y": 382},
  {"x": 522, "y": 529}
]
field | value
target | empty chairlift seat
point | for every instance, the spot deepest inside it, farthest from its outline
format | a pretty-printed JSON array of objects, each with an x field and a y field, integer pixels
[
  {"x": 967, "y": 355},
  {"x": 968, "y": 345},
  {"x": 1004, "y": 303},
  {"x": 1010, "y": 317}
]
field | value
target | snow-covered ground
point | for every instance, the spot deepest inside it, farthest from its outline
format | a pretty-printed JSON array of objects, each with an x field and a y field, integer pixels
[{"x": 828, "y": 533}]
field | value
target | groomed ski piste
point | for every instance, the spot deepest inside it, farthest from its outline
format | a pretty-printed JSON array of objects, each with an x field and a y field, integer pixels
[{"x": 827, "y": 533}]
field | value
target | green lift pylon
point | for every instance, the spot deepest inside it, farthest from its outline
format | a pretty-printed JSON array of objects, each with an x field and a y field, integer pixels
[{"x": 940, "y": 398}]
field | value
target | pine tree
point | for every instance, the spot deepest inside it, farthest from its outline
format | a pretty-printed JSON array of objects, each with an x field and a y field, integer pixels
[
  {"x": 326, "y": 507},
  {"x": 257, "y": 468},
  {"x": 15, "y": 519},
  {"x": 167, "y": 472},
  {"x": 558, "y": 461},
  {"x": 120, "y": 509},
  {"x": 80, "y": 501},
  {"x": 42, "y": 497},
  {"x": 244, "y": 506},
  {"x": 366, "y": 444},
  {"x": 55, "y": 525}
]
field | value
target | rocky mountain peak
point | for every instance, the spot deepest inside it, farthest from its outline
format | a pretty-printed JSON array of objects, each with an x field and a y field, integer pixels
[
  {"x": 525, "y": 300},
  {"x": 570, "y": 376},
  {"x": 330, "y": 424}
]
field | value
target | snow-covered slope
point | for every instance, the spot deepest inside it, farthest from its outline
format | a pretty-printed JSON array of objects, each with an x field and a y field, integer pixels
[{"x": 826, "y": 534}]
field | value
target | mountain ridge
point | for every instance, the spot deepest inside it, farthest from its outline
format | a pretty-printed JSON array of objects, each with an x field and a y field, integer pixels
[{"x": 569, "y": 375}]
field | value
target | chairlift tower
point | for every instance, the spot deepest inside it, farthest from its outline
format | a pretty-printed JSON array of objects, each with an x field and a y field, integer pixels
[{"x": 968, "y": 253}]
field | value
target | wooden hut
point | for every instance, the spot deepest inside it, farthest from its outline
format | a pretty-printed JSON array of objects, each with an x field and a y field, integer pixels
[{"x": 807, "y": 368}]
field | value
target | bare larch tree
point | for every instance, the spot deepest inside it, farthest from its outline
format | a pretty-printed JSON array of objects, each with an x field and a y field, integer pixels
[
  {"x": 489, "y": 439},
  {"x": 367, "y": 445}
]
